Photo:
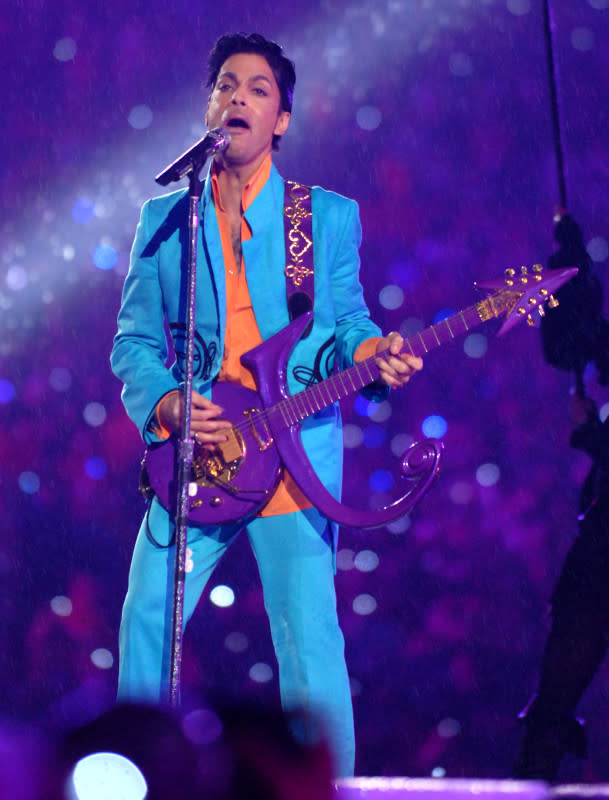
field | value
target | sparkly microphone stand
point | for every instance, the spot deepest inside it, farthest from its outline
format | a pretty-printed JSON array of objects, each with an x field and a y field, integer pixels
[{"x": 188, "y": 164}]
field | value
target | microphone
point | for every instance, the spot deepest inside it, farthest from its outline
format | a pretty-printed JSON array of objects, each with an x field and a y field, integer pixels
[{"x": 214, "y": 141}]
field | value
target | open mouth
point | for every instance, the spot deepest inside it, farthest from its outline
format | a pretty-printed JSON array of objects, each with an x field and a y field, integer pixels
[{"x": 237, "y": 122}]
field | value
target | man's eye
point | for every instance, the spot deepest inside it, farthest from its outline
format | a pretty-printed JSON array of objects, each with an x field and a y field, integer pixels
[
  {"x": 260, "y": 92},
  {"x": 223, "y": 87}
]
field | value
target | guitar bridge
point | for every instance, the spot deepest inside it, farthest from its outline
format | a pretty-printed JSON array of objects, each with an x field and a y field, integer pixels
[{"x": 211, "y": 468}]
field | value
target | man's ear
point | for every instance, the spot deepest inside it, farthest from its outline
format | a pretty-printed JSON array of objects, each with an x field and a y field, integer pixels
[{"x": 283, "y": 121}]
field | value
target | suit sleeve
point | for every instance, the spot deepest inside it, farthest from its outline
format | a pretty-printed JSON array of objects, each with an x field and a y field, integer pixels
[
  {"x": 139, "y": 351},
  {"x": 353, "y": 323}
]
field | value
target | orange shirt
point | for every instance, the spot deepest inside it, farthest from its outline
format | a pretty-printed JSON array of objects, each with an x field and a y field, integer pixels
[{"x": 242, "y": 332}]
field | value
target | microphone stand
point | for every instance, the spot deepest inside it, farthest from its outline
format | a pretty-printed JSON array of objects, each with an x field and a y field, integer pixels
[
  {"x": 191, "y": 164},
  {"x": 186, "y": 445}
]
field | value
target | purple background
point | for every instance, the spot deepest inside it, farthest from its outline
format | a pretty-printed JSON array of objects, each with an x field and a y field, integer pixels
[{"x": 435, "y": 116}]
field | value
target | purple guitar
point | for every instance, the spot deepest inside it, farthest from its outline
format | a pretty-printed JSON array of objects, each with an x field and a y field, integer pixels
[{"x": 239, "y": 478}]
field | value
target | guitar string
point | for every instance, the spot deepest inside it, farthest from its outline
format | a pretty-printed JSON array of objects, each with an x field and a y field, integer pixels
[{"x": 288, "y": 406}]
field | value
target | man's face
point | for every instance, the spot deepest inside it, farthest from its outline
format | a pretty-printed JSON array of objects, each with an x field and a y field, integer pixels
[{"x": 246, "y": 101}]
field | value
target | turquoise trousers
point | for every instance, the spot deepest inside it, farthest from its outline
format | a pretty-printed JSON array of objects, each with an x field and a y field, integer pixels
[{"x": 295, "y": 560}]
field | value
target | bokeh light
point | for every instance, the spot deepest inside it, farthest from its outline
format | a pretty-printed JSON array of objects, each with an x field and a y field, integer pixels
[{"x": 222, "y": 596}]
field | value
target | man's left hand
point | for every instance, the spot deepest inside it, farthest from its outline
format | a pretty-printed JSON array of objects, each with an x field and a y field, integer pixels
[{"x": 396, "y": 368}]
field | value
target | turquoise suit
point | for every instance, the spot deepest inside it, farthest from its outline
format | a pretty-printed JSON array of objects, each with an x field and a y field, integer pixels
[{"x": 295, "y": 552}]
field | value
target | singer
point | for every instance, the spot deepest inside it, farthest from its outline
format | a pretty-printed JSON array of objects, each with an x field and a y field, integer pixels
[{"x": 245, "y": 294}]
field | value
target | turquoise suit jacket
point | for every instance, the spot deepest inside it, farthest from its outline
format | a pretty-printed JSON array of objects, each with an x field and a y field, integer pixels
[{"x": 155, "y": 290}]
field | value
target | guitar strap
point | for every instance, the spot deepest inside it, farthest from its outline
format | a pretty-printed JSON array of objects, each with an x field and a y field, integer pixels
[{"x": 299, "y": 271}]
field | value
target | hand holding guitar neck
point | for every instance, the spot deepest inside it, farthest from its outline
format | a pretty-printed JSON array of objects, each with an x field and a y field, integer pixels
[{"x": 396, "y": 367}]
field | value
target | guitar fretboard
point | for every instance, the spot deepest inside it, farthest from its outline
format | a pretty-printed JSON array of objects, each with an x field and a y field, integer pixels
[{"x": 337, "y": 387}]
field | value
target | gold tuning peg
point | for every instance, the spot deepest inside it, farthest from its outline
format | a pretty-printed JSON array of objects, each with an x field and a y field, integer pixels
[
  {"x": 552, "y": 302},
  {"x": 530, "y": 320},
  {"x": 523, "y": 270},
  {"x": 542, "y": 311},
  {"x": 522, "y": 311},
  {"x": 537, "y": 268},
  {"x": 532, "y": 301},
  {"x": 509, "y": 273}
]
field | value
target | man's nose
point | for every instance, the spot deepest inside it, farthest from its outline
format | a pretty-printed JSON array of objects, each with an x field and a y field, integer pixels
[{"x": 238, "y": 97}]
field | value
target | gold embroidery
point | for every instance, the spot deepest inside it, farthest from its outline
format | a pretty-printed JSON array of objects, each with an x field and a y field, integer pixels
[{"x": 299, "y": 241}]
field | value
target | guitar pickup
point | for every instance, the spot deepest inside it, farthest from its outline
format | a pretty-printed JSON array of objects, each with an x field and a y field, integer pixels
[{"x": 233, "y": 448}]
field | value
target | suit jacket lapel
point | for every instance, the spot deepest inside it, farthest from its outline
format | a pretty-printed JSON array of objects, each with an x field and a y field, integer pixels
[
  {"x": 264, "y": 256},
  {"x": 211, "y": 255}
]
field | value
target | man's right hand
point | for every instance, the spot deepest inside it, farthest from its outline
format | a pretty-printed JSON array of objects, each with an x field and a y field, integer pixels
[{"x": 205, "y": 425}]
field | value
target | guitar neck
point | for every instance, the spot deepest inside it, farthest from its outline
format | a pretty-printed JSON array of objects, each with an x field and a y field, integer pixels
[{"x": 337, "y": 387}]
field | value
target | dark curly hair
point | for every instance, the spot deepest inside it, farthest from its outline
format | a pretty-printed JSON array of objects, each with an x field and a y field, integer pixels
[{"x": 283, "y": 69}]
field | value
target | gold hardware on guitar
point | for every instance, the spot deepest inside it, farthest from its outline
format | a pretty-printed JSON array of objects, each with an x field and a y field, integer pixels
[
  {"x": 218, "y": 467},
  {"x": 262, "y": 445}
]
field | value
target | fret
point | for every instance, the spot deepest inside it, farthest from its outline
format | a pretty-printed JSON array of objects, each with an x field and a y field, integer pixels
[
  {"x": 373, "y": 374},
  {"x": 349, "y": 373},
  {"x": 361, "y": 380},
  {"x": 286, "y": 412},
  {"x": 340, "y": 377},
  {"x": 280, "y": 407},
  {"x": 297, "y": 398},
  {"x": 465, "y": 325},
  {"x": 306, "y": 399},
  {"x": 419, "y": 334},
  {"x": 432, "y": 328},
  {"x": 328, "y": 399},
  {"x": 313, "y": 389}
]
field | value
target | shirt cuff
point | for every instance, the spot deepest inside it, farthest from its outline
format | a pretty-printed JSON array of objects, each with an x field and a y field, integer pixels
[
  {"x": 367, "y": 349},
  {"x": 156, "y": 426}
]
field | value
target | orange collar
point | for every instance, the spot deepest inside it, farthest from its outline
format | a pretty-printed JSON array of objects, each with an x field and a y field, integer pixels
[{"x": 251, "y": 188}]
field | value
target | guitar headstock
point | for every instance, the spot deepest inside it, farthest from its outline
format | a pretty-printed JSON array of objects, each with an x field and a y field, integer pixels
[{"x": 524, "y": 293}]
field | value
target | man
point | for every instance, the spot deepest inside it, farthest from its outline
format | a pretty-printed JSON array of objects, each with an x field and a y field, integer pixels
[
  {"x": 241, "y": 300},
  {"x": 578, "y": 638}
]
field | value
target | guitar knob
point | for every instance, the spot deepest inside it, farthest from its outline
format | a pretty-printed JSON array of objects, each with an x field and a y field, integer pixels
[
  {"x": 530, "y": 320},
  {"x": 542, "y": 311},
  {"x": 532, "y": 301},
  {"x": 522, "y": 311},
  {"x": 509, "y": 273},
  {"x": 552, "y": 302},
  {"x": 215, "y": 501},
  {"x": 537, "y": 268},
  {"x": 523, "y": 270}
]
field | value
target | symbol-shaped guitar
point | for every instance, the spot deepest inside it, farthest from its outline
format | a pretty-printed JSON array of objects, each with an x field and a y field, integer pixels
[{"x": 239, "y": 478}]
